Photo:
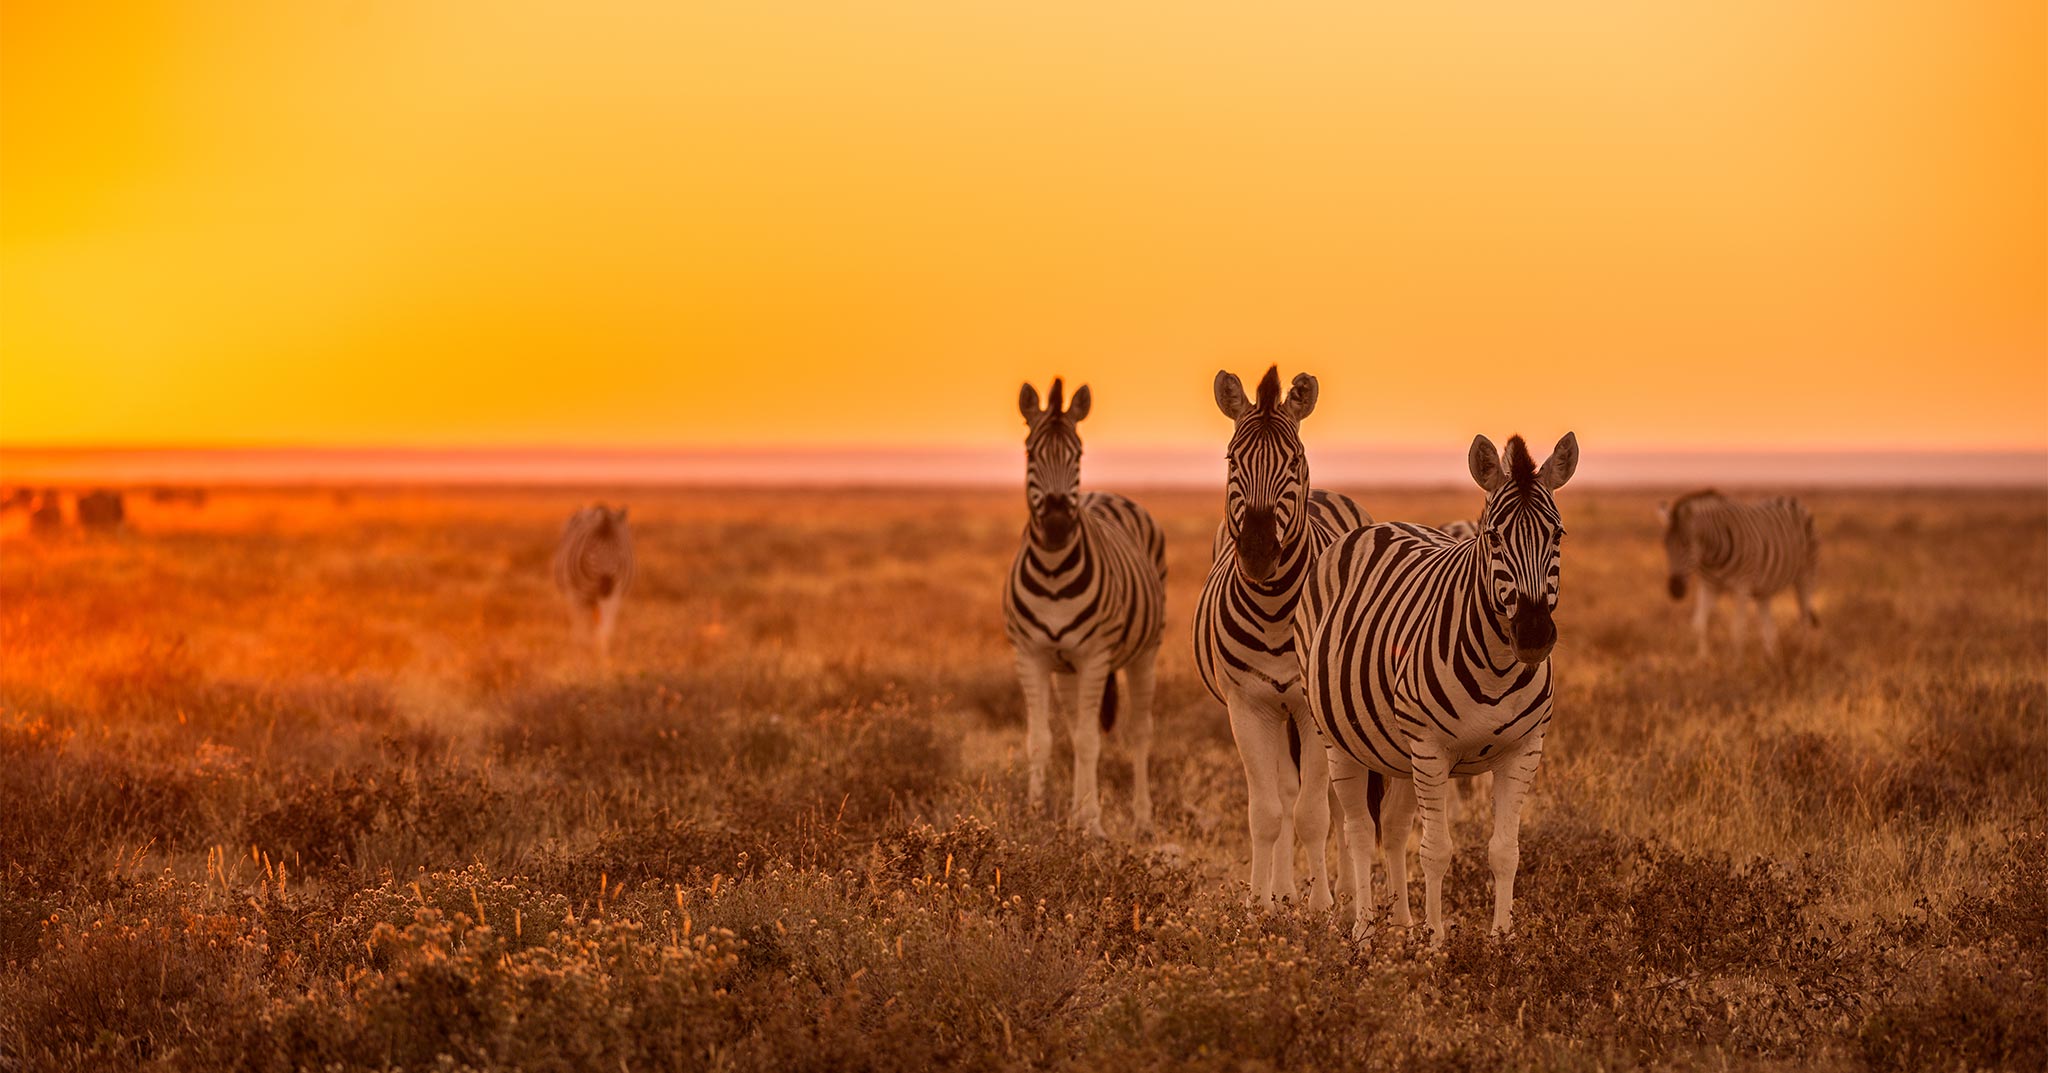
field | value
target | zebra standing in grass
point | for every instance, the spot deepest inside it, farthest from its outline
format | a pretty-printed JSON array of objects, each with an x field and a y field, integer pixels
[
  {"x": 1086, "y": 598},
  {"x": 1753, "y": 550},
  {"x": 593, "y": 566},
  {"x": 1274, "y": 525},
  {"x": 1427, "y": 658}
]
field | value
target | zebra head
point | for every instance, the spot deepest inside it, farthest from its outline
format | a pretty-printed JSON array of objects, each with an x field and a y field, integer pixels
[
  {"x": 1521, "y": 533},
  {"x": 1052, "y": 467},
  {"x": 1266, "y": 502}
]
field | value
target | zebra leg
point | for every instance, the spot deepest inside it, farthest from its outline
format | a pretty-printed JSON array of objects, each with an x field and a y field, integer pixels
[
  {"x": 1087, "y": 714},
  {"x": 1348, "y": 782},
  {"x": 1432, "y": 781},
  {"x": 1262, "y": 745},
  {"x": 1035, "y": 675},
  {"x": 1287, "y": 776},
  {"x": 606, "y": 620},
  {"x": 1504, "y": 851},
  {"x": 1702, "y": 618},
  {"x": 1765, "y": 628},
  {"x": 1135, "y": 725},
  {"x": 1397, "y": 818},
  {"x": 1312, "y": 812},
  {"x": 1804, "y": 587}
]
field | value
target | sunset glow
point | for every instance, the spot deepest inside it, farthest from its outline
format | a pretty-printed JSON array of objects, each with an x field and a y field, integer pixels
[{"x": 1667, "y": 226}]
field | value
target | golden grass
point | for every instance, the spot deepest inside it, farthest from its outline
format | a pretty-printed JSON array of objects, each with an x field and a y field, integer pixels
[{"x": 311, "y": 751}]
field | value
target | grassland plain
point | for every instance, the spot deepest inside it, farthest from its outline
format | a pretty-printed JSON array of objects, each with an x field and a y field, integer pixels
[{"x": 307, "y": 780}]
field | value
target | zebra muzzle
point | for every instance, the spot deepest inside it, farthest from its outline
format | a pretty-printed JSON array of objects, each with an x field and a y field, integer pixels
[
  {"x": 1535, "y": 632},
  {"x": 1258, "y": 545}
]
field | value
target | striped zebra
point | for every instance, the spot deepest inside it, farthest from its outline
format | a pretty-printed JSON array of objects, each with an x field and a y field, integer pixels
[
  {"x": 593, "y": 566},
  {"x": 1746, "y": 550},
  {"x": 1460, "y": 529},
  {"x": 1086, "y": 598},
  {"x": 1274, "y": 525},
  {"x": 1426, "y": 658}
]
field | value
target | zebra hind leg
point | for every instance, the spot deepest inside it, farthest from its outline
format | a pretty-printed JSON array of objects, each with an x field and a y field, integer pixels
[{"x": 1766, "y": 628}]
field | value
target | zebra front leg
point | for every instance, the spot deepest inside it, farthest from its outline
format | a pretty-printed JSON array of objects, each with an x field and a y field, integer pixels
[
  {"x": 606, "y": 620},
  {"x": 1804, "y": 588},
  {"x": 1035, "y": 676},
  {"x": 1397, "y": 818},
  {"x": 1349, "y": 784},
  {"x": 1702, "y": 618},
  {"x": 1504, "y": 851},
  {"x": 1432, "y": 786},
  {"x": 1135, "y": 724},
  {"x": 1766, "y": 629},
  {"x": 1312, "y": 811},
  {"x": 1262, "y": 745},
  {"x": 1092, "y": 682}
]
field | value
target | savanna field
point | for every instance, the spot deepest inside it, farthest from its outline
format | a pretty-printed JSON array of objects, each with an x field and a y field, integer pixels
[{"x": 319, "y": 780}]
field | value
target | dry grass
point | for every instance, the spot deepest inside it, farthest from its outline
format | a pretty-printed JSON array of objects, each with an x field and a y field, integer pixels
[{"x": 292, "y": 782}]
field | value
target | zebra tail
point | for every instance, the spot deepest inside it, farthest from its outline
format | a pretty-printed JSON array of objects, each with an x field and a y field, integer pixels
[
  {"x": 1376, "y": 792},
  {"x": 1109, "y": 704},
  {"x": 1294, "y": 744}
]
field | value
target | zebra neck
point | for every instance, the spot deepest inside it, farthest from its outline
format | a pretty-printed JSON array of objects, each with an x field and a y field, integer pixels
[{"x": 1064, "y": 559}]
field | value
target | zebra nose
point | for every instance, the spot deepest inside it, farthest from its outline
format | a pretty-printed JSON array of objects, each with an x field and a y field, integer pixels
[
  {"x": 1535, "y": 632},
  {"x": 1258, "y": 544}
]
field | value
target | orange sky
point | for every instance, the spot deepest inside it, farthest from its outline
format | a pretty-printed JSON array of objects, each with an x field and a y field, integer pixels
[{"x": 1660, "y": 224}]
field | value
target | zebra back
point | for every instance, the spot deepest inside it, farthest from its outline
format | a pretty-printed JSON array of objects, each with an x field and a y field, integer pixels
[{"x": 1757, "y": 548}]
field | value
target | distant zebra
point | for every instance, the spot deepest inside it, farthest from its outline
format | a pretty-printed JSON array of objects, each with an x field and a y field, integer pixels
[
  {"x": 1274, "y": 525},
  {"x": 1753, "y": 550},
  {"x": 1427, "y": 658},
  {"x": 1086, "y": 598},
  {"x": 593, "y": 566}
]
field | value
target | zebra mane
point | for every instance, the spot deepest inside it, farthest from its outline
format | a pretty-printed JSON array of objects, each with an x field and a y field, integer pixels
[
  {"x": 1269, "y": 389},
  {"x": 1521, "y": 468}
]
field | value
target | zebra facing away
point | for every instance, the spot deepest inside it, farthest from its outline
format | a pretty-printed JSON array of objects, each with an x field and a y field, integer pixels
[
  {"x": 593, "y": 566},
  {"x": 1427, "y": 658},
  {"x": 1086, "y": 598},
  {"x": 1274, "y": 526},
  {"x": 1747, "y": 550}
]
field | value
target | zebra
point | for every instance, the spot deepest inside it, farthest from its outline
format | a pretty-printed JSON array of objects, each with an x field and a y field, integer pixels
[
  {"x": 1274, "y": 525},
  {"x": 593, "y": 566},
  {"x": 1426, "y": 657},
  {"x": 1086, "y": 598},
  {"x": 1753, "y": 550},
  {"x": 1459, "y": 529}
]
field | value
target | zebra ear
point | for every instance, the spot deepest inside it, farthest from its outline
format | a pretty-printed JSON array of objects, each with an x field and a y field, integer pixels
[
  {"x": 1027, "y": 403},
  {"x": 1664, "y": 513},
  {"x": 1230, "y": 395},
  {"x": 620, "y": 513},
  {"x": 1301, "y": 398},
  {"x": 1484, "y": 462},
  {"x": 1562, "y": 463},
  {"x": 1078, "y": 408}
]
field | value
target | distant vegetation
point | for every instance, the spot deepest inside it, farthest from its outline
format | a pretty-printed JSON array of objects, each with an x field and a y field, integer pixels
[{"x": 294, "y": 782}]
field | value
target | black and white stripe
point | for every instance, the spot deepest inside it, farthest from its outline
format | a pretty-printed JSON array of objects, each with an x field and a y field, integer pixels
[
  {"x": 1086, "y": 598},
  {"x": 1427, "y": 657},
  {"x": 1748, "y": 551},
  {"x": 593, "y": 566},
  {"x": 1274, "y": 526}
]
